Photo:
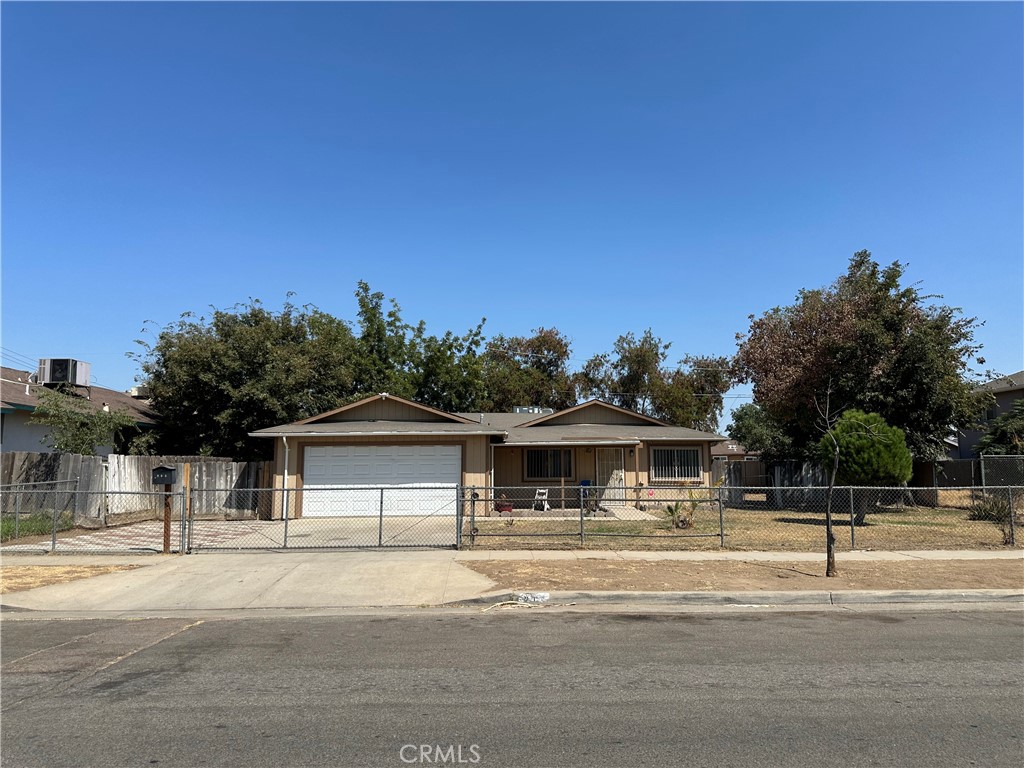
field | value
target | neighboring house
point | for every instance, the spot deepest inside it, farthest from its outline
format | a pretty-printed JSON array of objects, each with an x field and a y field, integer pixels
[
  {"x": 1007, "y": 390},
  {"x": 731, "y": 450},
  {"x": 18, "y": 400},
  {"x": 386, "y": 441},
  {"x": 733, "y": 464}
]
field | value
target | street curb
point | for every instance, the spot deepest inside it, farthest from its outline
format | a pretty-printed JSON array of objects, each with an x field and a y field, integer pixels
[{"x": 845, "y": 597}]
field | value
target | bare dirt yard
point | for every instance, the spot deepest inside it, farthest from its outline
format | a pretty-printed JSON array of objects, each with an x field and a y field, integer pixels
[
  {"x": 683, "y": 576},
  {"x": 14, "y": 578}
]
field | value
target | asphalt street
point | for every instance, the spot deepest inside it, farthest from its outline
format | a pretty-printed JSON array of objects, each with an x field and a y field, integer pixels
[{"x": 523, "y": 687}]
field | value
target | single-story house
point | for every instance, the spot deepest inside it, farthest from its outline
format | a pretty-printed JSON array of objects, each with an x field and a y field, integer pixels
[
  {"x": 19, "y": 396},
  {"x": 390, "y": 442}
]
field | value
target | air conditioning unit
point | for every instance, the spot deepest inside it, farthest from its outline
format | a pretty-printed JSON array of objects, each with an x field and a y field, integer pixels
[{"x": 64, "y": 370}]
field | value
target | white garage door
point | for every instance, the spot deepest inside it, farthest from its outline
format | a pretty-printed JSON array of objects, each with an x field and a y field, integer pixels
[{"x": 347, "y": 480}]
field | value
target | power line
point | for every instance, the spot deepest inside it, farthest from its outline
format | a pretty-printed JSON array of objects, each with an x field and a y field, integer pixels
[
  {"x": 17, "y": 357},
  {"x": 580, "y": 359}
]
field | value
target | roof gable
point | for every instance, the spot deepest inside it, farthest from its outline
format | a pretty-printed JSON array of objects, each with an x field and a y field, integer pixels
[
  {"x": 595, "y": 412},
  {"x": 385, "y": 407}
]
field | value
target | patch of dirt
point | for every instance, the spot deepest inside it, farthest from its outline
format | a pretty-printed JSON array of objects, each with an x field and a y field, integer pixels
[
  {"x": 14, "y": 578},
  {"x": 748, "y": 576}
]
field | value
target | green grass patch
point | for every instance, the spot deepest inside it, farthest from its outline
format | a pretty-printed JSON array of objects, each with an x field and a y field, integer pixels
[{"x": 35, "y": 524}]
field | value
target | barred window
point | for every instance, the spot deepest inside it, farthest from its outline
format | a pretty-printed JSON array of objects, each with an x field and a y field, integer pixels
[
  {"x": 675, "y": 464},
  {"x": 548, "y": 463}
]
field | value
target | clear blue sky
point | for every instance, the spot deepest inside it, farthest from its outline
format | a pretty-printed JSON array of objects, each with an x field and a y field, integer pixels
[{"x": 598, "y": 168}]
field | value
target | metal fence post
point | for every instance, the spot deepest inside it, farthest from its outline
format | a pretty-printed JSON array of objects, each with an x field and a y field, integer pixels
[
  {"x": 190, "y": 510},
  {"x": 459, "y": 498},
  {"x": 380, "y": 521},
  {"x": 285, "y": 514},
  {"x": 17, "y": 512},
  {"x": 183, "y": 522},
  {"x": 472, "y": 519},
  {"x": 582, "y": 532},
  {"x": 1013, "y": 522},
  {"x": 721, "y": 521},
  {"x": 853, "y": 523},
  {"x": 53, "y": 538}
]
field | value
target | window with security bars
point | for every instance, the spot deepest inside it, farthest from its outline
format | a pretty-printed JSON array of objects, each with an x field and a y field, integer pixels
[
  {"x": 548, "y": 463},
  {"x": 675, "y": 464}
]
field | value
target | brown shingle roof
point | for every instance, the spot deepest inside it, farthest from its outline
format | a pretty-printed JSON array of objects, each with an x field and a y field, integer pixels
[
  {"x": 513, "y": 426},
  {"x": 1005, "y": 383},
  {"x": 16, "y": 391}
]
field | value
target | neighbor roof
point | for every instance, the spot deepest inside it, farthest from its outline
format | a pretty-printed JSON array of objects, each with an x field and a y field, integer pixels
[
  {"x": 1005, "y": 383},
  {"x": 17, "y": 393}
]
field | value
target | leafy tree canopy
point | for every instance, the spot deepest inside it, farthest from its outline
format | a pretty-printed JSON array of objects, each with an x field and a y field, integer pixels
[
  {"x": 757, "y": 431},
  {"x": 246, "y": 368},
  {"x": 635, "y": 376},
  {"x": 527, "y": 370},
  {"x": 1005, "y": 435},
  {"x": 214, "y": 380},
  {"x": 877, "y": 344},
  {"x": 75, "y": 425},
  {"x": 870, "y": 451}
]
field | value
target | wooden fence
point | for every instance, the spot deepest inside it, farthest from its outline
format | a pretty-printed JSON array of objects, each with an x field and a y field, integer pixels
[{"x": 120, "y": 489}]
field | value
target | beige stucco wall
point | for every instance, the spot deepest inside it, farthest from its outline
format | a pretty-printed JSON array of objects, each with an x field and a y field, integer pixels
[{"x": 508, "y": 465}]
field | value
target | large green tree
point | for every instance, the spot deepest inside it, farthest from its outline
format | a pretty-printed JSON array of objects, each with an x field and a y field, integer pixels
[
  {"x": 527, "y": 370},
  {"x": 635, "y": 376},
  {"x": 757, "y": 431},
  {"x": 874, "y": 344},
  {"x": 215, "y": 380}
]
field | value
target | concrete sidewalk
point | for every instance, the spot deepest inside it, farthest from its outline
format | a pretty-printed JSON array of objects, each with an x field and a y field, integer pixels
[{"x": 343, "y": 579}]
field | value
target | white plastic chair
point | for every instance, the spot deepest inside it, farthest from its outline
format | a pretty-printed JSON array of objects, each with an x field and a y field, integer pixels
[{"x": 540, "y": 501}]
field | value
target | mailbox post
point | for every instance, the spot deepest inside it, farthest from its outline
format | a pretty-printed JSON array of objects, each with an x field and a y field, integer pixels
[{"x": 166, "y": 476}]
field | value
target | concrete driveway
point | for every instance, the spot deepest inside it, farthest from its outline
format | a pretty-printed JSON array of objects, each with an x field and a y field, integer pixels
[{"x": 234, "y": 581}]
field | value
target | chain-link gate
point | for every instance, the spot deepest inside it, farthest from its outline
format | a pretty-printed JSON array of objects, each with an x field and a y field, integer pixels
[{"x": 325, "y": 518}]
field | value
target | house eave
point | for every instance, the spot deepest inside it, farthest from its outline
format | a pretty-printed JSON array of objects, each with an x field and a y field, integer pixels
[
  {"x": 571, "y": 442},
  {"x": 394, "y": 433}
]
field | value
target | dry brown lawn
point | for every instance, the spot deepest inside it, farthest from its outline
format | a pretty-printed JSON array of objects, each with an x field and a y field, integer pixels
[
  {"x": 772, "y": 530},
  {"x": 729, "y": 576},
  {"x": 14, "y": 578}
]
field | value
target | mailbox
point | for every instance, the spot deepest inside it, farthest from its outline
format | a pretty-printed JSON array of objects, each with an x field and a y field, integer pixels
[{"x": 165, "y": 475}]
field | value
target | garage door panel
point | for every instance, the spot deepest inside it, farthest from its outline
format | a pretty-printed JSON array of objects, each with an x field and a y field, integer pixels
[{"x": 343, "y": 480}]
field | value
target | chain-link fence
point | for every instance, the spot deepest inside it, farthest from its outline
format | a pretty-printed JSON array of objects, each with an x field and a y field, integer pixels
[
  {"x": 36, "y": 509},
  {"x": 768, "y": 518},
  {"x": 325, "y": 518},
  {"x": 52, "y": 517},
  {"x": 64, "y": 519},
  {"x": 1001, "y": 471}
]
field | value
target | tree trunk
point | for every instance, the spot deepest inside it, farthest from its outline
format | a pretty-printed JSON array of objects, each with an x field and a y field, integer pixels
[{"x": 830, "y": 539}]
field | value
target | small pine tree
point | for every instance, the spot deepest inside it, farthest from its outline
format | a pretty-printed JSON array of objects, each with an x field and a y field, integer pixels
[{"x": 870, "y": 452}]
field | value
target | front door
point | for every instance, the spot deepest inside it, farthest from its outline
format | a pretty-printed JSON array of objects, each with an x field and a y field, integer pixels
[{"x": 611, "y": 477}]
